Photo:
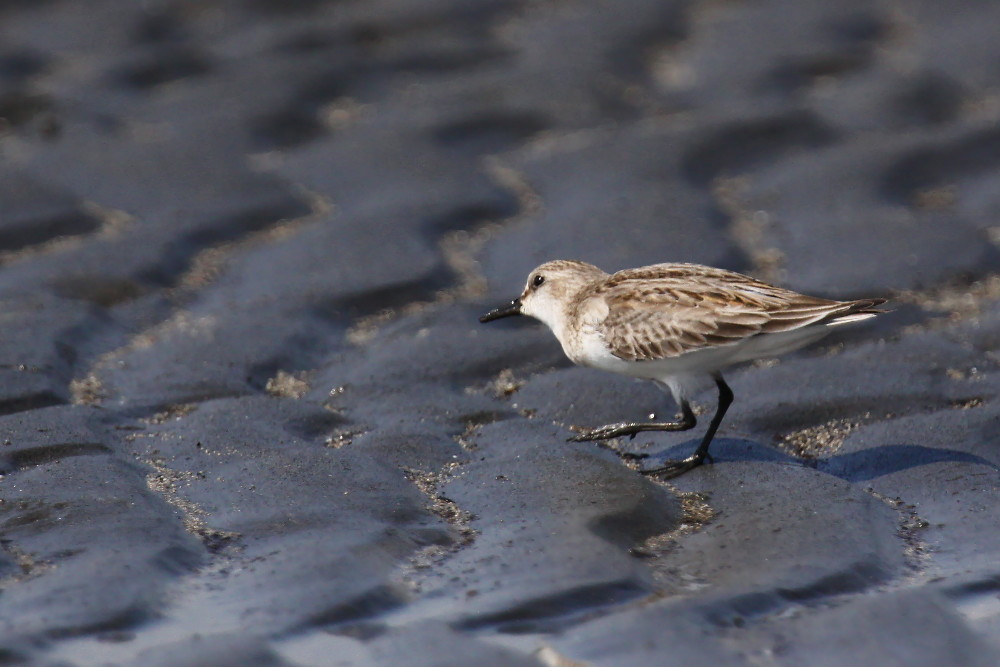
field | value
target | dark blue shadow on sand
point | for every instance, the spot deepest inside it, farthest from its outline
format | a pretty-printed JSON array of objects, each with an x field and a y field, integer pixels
[
  {"x": 874, "y": 462},
  {"x": 860, "y": 466}
]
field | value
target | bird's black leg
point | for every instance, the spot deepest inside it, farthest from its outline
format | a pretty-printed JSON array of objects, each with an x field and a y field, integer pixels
[
  {"x": 674, "y": 468},
  {"x": 686, "y": 422}
]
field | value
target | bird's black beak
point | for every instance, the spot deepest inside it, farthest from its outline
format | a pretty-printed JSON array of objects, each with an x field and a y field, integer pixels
[{"x": 504, "y": 311}]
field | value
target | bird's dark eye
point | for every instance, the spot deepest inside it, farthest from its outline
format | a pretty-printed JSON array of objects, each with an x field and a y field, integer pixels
[{"x": 537, "y": 280}]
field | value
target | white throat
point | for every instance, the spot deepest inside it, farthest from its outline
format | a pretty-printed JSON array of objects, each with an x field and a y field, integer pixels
[{"x": 552, "y": 314}]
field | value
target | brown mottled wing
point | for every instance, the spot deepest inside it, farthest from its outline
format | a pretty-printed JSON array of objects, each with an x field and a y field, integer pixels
[{"x": 667, "y": 310}]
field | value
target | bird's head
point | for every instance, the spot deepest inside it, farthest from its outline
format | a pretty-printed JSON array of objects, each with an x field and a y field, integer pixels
[{"x": 550, "y": 288}]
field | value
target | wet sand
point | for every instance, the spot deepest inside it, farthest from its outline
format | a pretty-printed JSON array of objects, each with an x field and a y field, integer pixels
[{"x": 249, "y": 416}]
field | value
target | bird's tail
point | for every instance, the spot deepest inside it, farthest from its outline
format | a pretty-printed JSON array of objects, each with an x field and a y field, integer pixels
[{"x": 856, "y": 311}]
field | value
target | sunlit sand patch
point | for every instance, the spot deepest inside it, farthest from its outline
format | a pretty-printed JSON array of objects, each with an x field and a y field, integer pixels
[
  {"x": 166, "y": 482},
  {"x": 425, "y": 558},
  {"x": 818, "y": 441},
  {"x": 111, "y": 224},
  {"x": 696, "y": 513},
  {"x": 288, "y": 385},
  {"x": 86, "y": 390}
]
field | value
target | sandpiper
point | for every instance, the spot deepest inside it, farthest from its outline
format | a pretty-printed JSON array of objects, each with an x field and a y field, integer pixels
[{"x": 671, "y": 323}]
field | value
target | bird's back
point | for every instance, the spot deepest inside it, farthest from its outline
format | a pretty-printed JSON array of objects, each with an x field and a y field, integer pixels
[{"x": 668, "y": 310}]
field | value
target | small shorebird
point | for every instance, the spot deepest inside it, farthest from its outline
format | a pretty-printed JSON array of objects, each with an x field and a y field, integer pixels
[{"x": 671, "y": 323}]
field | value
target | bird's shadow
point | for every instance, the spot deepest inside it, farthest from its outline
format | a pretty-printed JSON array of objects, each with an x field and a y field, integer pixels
[{"x": 860, "y": 466}]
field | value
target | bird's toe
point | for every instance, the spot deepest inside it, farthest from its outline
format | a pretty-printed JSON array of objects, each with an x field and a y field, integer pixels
[
  {"x": 672, "y": 469},
  {"x": 602, "y": 433}
]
